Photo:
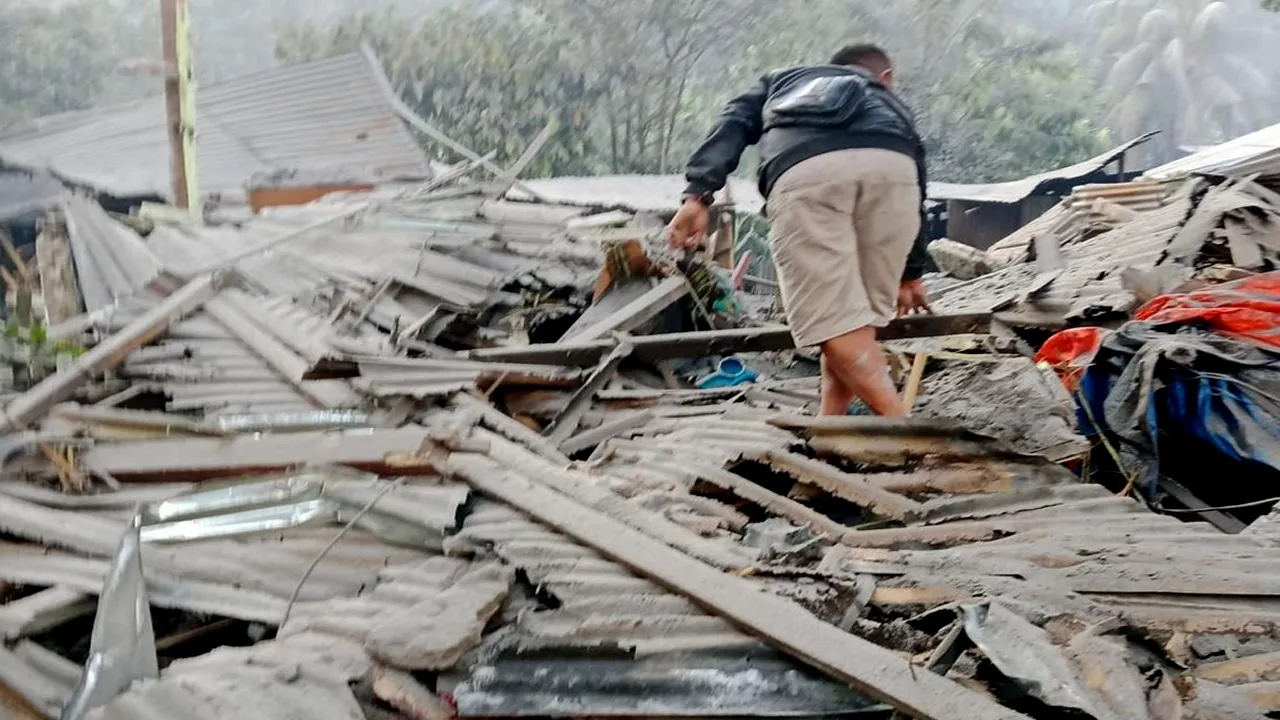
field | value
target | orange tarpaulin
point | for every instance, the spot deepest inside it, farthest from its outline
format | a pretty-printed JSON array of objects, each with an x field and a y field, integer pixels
[{"x": 1247, "y": 309}]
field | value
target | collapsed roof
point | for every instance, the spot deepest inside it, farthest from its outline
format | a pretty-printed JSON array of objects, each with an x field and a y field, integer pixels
[{"x": 328, "y": 115}]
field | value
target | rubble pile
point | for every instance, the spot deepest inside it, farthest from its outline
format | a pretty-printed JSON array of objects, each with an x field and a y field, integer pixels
[
  {"x": 425, "y": 452},
  {"x": 433, "y": 445}
]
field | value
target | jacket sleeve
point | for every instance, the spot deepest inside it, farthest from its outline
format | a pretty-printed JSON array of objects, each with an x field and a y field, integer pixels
[
  {"x": 739, "y": 126},
  {"x": 918, "y": 260}
]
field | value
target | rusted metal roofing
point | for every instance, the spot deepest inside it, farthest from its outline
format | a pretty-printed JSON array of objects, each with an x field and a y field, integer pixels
[
  {"x": 326, "y": 114},
  {"x": 1018, "y": 190}
]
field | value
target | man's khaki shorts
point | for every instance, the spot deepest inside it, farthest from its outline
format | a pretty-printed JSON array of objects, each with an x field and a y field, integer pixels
[{"x": 843, "y": 225}]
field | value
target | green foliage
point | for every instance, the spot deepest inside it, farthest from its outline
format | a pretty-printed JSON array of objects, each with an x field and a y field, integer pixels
[
  {"x": 27, "y": 355},
  {"x": 1004, "y": 88},
  {"x": 55, "y": 59}
]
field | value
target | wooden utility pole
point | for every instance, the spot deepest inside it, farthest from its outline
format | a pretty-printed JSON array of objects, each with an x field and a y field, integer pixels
[{"x": 180, "y": 105}]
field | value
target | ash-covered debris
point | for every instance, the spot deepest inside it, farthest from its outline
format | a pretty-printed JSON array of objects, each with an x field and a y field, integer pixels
[{"x": 438, "y": 449}]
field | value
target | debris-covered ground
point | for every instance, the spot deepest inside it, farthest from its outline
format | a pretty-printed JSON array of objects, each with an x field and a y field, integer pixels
[{"x": 430, "y": 452}]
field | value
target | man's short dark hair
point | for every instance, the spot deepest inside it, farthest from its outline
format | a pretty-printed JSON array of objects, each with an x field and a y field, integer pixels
[{"x": 864, "y": 55}]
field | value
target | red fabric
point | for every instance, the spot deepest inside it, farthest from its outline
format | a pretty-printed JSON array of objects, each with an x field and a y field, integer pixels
[
  {"x": 1247, "y": 309},
  {"x": 1070, "y": 353}
]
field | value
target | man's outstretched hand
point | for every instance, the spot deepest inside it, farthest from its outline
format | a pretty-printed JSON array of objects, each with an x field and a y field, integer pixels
[
  {"x": 689, "y": 226},
  {"x": 913, "y": 299}
]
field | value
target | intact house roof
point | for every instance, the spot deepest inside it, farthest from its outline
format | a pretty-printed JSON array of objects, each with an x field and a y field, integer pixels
[
  {"x": 1018, "y": 190},
  {"x": 328, "y": 114}
]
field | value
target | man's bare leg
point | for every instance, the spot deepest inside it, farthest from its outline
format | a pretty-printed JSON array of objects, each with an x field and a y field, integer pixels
[
  {"x": 836, "y": 396},
  {"x": 853, "y": 365}
]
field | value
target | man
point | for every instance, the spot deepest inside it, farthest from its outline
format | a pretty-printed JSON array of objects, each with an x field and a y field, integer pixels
[{"x": 842, "y": 168}]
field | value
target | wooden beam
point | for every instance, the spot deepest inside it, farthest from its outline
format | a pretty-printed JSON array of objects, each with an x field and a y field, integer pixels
[
  {"x": 567, "y": 422},
  {"x": 635, "y": 313},
  {"x": 179, "y": 102},
  {"x": 415, "y": 121},
  {"x": 200, "y": 459},
  {"x": 866, "y": 667},
  {"x": 1253, "y": 669},
  {"x": 840, "y": 484},
  {"x": 723, "y": 342},
  {"x": 109, "y": 354}
]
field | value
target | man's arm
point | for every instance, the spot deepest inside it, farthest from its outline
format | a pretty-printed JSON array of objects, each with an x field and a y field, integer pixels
[
  {"x": 739, "y": 126},
  {"x": 918, "y": 260}
]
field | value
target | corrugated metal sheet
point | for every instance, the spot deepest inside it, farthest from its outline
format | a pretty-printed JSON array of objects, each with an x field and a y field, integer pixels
[
  {"x": 111, "y": 261},
  {"x": 616, "y": 644},
  {"x": 1019, "y": 190},
  {"x": 204, "y": 369},
  {"x": 640, "y": 193},
  {"x": 326, "y": 114},
  {"x": 1255, "y": 153},
  {"x": 1091, "y": 282},
  {"x": 249, "y": 577},
  {"x": 1090, "y": 209}
]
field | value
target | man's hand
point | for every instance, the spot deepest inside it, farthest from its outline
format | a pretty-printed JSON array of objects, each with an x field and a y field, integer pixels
[
  {"x": 689, "y": 226},
  {"x": 913, "y": 299}
]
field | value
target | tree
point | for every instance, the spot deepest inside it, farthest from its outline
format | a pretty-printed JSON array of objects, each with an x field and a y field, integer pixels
[
  {"x": 648, "y": 61},
  {"x": 1178, "y": 66},
  {"x": 56, "y": 59},
  {"x": 995, "y": 101},
  {"x": 491, "y": 80}
]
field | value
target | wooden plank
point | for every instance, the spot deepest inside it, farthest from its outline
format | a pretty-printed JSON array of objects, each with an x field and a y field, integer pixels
[
  {"x": 635, "y": 313},
  {"x": 1254, "y": 669},
  {"x": 607, "y": 431},
  {"x": 507, "y": 180},
  {"x": 842, "y": 485},
  {"x": 199, "y": 459},
  {"x": 868, "y": 668},
  {"x": 771, "y": 501},
  {"x": 724, "y": 342},
  {"x": 403, "y": 692},
  {"x": 567, "y": 422},
  {"x": 1265, "y": 695}
]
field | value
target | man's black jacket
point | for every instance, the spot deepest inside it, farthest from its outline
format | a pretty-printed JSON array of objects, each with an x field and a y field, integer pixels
[{"x": 882, "y": 122}]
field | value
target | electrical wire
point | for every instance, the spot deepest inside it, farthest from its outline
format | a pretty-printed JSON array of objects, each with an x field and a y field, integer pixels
[{"x": 297, "y": 590}]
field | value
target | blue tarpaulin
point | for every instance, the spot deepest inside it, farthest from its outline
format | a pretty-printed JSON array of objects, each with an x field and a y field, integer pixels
[{"x": 1149, "y": 381}]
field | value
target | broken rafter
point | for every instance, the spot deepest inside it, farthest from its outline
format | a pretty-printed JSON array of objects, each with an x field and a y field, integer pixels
[
  {"x": 672, "y": 346},
  {"x": 200, "y": 459},
  {"x": 566, "y": 424},
  {"x": 507, "y": 180}
]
